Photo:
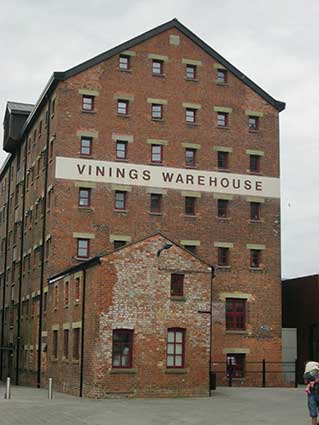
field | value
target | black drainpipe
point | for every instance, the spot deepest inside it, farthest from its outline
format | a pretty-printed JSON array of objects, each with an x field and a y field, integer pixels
[
  {"x": 44, "y": 209},
  {"x": 21, "y": 263},
  {"x": 211, "y": 330},
  {"x": 82, "y": 332},
  {"x": 5, "y": 271}
]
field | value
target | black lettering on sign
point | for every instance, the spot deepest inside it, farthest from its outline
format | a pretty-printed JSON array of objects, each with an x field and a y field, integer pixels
[
  {"x": 80, "y": 169},
  {"x": 247, "y": 184},
  {"x": 168, "y": 177},
  {"x": 224, "y": 182},
  {"x": 259, "y": 186},
  {"x": 133, "y": 174},
  {"x": 146, "y": 175},
  {"x": 100, "y": 171},
  {"x": 179, "y": 178}
]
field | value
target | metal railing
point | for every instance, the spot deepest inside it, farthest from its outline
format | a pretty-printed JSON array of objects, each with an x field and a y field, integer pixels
[{"x": 263, "y": 373}]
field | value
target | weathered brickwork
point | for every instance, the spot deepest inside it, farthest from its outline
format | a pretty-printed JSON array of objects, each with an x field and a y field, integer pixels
[{"x": 24, "y": 191}]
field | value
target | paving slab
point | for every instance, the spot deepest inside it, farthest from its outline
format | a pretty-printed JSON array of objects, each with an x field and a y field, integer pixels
[{"x": 227, "y": 406}]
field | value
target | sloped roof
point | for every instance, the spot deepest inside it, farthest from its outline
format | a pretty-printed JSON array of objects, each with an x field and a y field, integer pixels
[
  {"x": 19, "y": 107},
  {"x": 96, "y": 259},
  {"x": 174, "y": 23}
]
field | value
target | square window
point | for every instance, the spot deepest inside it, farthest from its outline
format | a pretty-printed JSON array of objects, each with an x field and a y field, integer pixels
[
  {"x": 84, "y": 197},
  {"x": 121, "y": 150},
  {"x": 222, "y": 119},
  {"x": 66, "y": 293},
  {"x": 255, "y": 211},
  {"x": 122, "y": 107},
  {"x": 120, "y": 200},
  {"x": 255, "y": 258},
  {"x": 253, "y": 123},
  {"x": 191, "y": 248},
  {"x": 254, "y": 163},
  {"x": 177, "y": 285},
  {"x": 190, "y": 157},
  {"x": 83, "y": 248},
  {"x": 190, "y": 115},
  {"x": 157, "y": 111},
  {"x": 175, "y": 348},
  {"x": 222, "y": 160},
  {"x": 191, "y": 72},
  {"x": 118, "y": 244},
  {"x": 124, "y": 62},
  {"x": 235, "y": 314},
  {"x": 122, "y": 348},
  {"x": 221, "y": 76},
  {"x": 223, "y": 257},
  {"x": 157, "y": 153},
  {"x": 86, "y": 146},
  {"x": 156, "y": 203},
  {"x": 222, "y": 208},
  {"x": 190, "y": 205},
  {"x": 157, "y": 67},
  {"x": 236, "y": 365},
  {"x": 87, "y": 103}
]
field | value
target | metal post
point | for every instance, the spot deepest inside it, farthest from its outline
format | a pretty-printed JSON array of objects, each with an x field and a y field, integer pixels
[
  {"x": 50, "y": 392},
  {"x": 8, "y": 389},
  {"x": 264, "y": 373},
  {"x": 296, "y": 373}
]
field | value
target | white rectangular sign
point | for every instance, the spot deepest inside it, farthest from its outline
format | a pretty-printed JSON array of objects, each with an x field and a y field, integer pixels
[{"x": 166, "y": 177}]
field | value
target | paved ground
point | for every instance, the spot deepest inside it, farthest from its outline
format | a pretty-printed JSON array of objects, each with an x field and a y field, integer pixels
[{"x": 228, "y": 406}]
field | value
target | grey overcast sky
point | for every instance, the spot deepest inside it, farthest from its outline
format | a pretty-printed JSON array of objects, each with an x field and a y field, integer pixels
[{"x": 274, "y": 42}]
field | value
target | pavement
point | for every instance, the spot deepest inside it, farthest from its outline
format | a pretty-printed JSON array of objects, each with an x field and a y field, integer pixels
[{"x": 227, "y": 406}]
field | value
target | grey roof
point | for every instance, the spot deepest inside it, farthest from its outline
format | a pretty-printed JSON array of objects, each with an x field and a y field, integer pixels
[
  {"x": 174, "y": 23},
  {"x": 20, "y": 107}
]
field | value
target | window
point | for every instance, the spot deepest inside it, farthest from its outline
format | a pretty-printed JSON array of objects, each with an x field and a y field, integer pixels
[
  {"x": 55, "y": 344},
  {"x": 253, "y": 123},
  {"x": 222, "y": 208},
  {"x": 84, "y": 197},
  {"x": 77, "y": 289},
  {"x": 76, "y": 343},
  {"x": 87, "y": 103},
  {"x": 53, "y": 107},
  {"x": 66, "y": 343},
  {"x": 45, "y": 301},
  {"x": 122, "y": 107},
  {"x": 121, "y": 150},
  {"x": 255, "y": 258},
  {"x": 118, "y": 244},
  {"x": 177, "y": 285},
  {"x": 122, "y": 348},
  {"x": 124, "y": 63},
  {"x": 86, "y": 146},
  {"x": 191, "y": 248},
  {"x": 235, "y": 314},
  {"x": 157, "y": 67},
  {"x": 56, "y": 297},
  {"x": 221, "y": 76},
  {"x": 156, "y": 203},
  {"x": 157, "y": 111},
  {"x": 175, "y": 347},
  {"x": 236, "y": 363},
  {"x": 120, "y": 200},
  {"x": 190, "y": 157},
  {"x": 254, "y": 163},
  {"x": 157, "y": 153},
  {"x": 190, "y": 205},
  {"x": 66, "y": 293},
  {"x": 83, "y": 248},
  {"x": 222, "y": 119},
  {"x": 40, "y": 128},
  {"x": 223, "y": 160},
  {"x": 223, "y": 257},
  {"x": 255, "y": 211},
  {"x": 191, "y": 72},
  {"x": 190, "y": 115}
]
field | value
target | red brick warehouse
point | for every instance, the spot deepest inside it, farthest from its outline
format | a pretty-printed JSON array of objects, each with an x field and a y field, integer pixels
[{"x": 160, "y": 133}]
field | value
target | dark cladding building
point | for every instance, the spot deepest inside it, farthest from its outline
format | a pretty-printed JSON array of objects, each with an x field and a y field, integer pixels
[{"x": 160, "y": 133}]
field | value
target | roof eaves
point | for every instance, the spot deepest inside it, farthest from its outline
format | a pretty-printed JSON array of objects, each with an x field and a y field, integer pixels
[{"x": 73, "y": 269}]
